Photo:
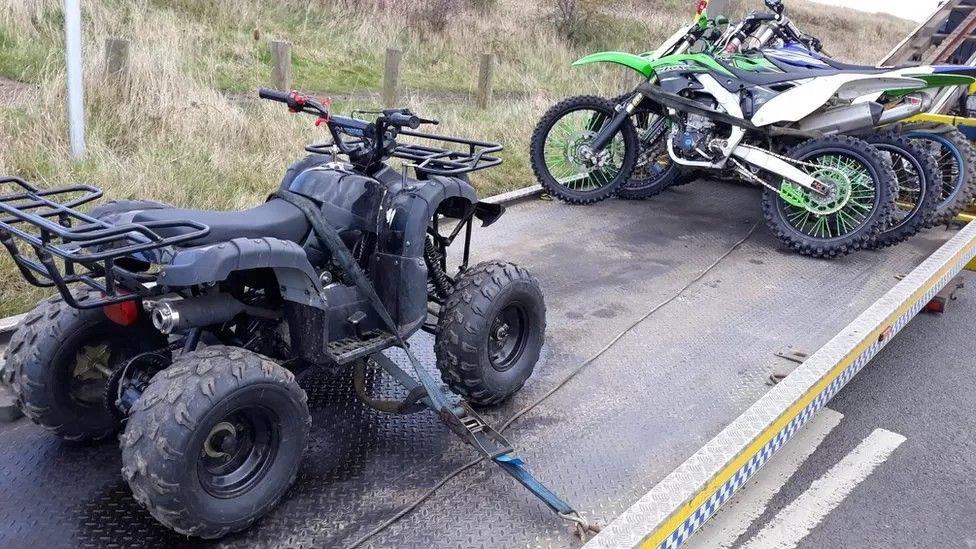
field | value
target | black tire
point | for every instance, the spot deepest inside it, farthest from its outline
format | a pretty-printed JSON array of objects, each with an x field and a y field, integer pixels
[
  {"x": 644, "y": 182},
  {"x": 474, "y": 362},
  {"x": 776, "y": 210},
  {"x": 538, "y": 148},
  {"x": 957, "y": 167},
  {"x": 687, "y": 176},
  {"x": 204, "y": 396},
  {"x": 44, "y": 355},
  {"x": 918, "y": 179}
]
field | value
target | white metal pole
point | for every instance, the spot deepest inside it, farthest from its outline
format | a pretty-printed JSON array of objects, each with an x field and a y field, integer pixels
[{"x": 76, "y": 88}]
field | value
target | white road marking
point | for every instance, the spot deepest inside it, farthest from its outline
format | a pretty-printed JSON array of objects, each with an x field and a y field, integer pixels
[
  {"x": 800, "y": 517},
  {"x": 735, "y": 517}
]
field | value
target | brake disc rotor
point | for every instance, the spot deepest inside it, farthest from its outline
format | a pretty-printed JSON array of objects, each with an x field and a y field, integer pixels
[{"x": 576, "y": 152}]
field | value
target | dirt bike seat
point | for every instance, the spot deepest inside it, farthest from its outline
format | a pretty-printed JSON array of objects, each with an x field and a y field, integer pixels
[
  {"x": 870, "y": 69},
  {"x": 274, "y": 219}
]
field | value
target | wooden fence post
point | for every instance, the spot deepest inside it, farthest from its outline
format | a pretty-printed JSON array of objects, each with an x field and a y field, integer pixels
[
  {"x": 281, "y": 65},
  {"x": 116, "y": 58},
  {"x": 485, "y": 75},
  {"x": 391, "y": 76}
]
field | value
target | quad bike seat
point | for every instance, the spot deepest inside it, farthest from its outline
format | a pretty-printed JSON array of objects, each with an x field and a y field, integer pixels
[{"x": 274, "y": 219}]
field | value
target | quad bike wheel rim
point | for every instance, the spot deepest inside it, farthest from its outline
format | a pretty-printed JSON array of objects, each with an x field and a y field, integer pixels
[
  {"x": 507, "y": 336},
  {"x": 569, "y": 159},
  {"x": 238, "y": 451},
  {"x": 845, "y": 209}
]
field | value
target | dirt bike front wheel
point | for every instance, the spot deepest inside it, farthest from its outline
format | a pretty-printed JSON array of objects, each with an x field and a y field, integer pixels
[
  {"x": 848, "y": 218},
  {"x": 565, "y": 164}
]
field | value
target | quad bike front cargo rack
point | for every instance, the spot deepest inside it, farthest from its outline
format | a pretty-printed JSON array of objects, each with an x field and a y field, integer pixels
[{"x": 73, "y": 249}]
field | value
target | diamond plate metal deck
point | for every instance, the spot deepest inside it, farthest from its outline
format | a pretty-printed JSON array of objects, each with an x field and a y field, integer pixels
[
  {"x": 680, "y": 504},
  {"x": 602, "y": 442}
]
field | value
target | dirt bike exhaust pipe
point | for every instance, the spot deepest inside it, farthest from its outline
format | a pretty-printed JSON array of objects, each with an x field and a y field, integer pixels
[
  {"x": 844, "y": 119},
  {"x": 912, "y": 104},
  {"x": 179, "y": 316},
  {"x": 862, "y": 117}
]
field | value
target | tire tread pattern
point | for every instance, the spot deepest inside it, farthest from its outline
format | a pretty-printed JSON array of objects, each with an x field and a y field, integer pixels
[
  {"x": 460, "y": 321},
  {"x": 538, "y": 144},
  {"x": 168, "y": 412},
  {"x": 867, "y": 237}
]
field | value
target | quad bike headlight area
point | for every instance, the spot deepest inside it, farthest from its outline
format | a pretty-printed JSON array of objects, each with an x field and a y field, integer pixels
[{"x": 611, "y": 440}]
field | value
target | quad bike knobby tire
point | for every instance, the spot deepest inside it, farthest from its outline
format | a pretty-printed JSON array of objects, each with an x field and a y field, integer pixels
[
  {"x": 215, "y": 441},
  {"x": 558, "y": 142},
  {"x": 490, "y": 332},
  {"x": 919, "y": 187},
  {"x": 60, "y": 359},
  {"x": 861, "y": 210}
]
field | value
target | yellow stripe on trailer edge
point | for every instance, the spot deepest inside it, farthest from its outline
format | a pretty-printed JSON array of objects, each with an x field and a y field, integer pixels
[
  {"x": 942, "y": 119},
  {"x": 680, "y": 504}
]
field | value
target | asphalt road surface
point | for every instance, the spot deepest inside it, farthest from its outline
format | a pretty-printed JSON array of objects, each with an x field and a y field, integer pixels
[{"x": 890, "y": 464}]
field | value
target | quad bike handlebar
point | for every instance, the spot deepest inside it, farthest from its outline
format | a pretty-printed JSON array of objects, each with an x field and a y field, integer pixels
[{"x": 374, "y": 142}]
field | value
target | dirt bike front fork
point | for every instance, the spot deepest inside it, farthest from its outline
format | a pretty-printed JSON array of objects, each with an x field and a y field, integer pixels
[
  {"x": 621, "y": 114},
  {"x": 470, "y": 427}
]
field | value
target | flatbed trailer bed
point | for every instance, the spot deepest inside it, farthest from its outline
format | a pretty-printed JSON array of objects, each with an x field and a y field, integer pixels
[{"x": 684, "y": 301}]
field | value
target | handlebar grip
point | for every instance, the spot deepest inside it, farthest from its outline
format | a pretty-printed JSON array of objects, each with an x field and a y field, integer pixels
[
  {"x": 404, "y": 120},
  {"x": 764, "y": 16},
  {"x": 274, "y": 95}
]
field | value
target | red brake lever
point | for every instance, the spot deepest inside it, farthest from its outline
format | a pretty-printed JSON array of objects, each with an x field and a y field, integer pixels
[
  {"x": 324, "y": 119},
  {"x": 298, "y": 99}
]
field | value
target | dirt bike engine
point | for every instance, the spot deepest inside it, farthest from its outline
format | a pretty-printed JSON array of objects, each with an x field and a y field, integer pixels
[{"x": 697, "y": 131}]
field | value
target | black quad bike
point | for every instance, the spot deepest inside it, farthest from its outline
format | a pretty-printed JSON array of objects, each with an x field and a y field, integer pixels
[{"x": 189, "y": 330}]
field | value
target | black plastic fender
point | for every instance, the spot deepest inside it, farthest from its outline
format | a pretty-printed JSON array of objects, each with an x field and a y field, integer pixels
[
  {"x": 297, "y": 280},
  {"x": 399, "y": 270}
]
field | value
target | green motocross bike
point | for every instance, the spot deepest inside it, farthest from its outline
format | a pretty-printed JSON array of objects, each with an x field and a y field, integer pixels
[{"x": 768, "y": 121}]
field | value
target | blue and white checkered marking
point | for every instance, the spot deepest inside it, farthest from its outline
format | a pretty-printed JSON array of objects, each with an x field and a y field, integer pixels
[{"x": 723, "y": 494}]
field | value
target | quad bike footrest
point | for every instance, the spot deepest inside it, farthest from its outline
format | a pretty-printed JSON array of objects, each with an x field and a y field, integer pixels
[{"x": 350, "y": 349}]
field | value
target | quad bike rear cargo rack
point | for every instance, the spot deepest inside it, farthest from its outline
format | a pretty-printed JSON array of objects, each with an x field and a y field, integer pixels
[{"x": 73, "y": 248}]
